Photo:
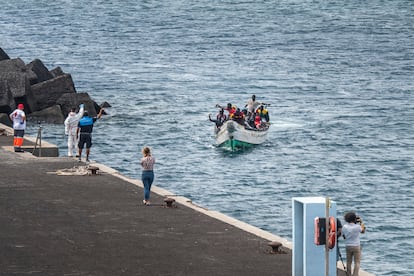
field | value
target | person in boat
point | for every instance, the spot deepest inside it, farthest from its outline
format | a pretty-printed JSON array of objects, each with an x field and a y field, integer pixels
[
  {"x": 220, "y": 118},
  {"x": 249, "y": 120},
  {"x": 231, "y": 109},
  {"x": 252, "y": 105},
  {"x": 238, "y": 116},
  {"x": 258, "y": 121},
  {"x": 264, "y": 113}
]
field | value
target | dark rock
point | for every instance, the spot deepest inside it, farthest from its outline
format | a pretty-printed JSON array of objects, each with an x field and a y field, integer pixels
[
  {"x": 6, "y": 98},
  {"x": 3, "y": 55},
  {"x": 16, "y": 82},
  {"x": 5, "y": 120},
  {"x": 97, "y": 109},
  {"x": 14, "y": 73},
  {"x": 105, "y": 105},
  {"x": 69, "y": 100},
  {"x": 47, "y": 96},
  {"x": 42, "y": 73},
  {"x": 56, "y": 72},
  {"x": 48, "y": 92},
  {"x": 52, "y": 115},
  {"x": 16, "y": 65}
]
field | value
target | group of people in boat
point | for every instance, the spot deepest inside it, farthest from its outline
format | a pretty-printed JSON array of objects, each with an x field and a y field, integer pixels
[{"x": 254, "y": 115}]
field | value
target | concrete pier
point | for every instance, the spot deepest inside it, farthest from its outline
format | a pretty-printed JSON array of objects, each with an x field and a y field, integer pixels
[
  {"x": 59, "y": 219},
  {"x": 34, "y": 145}
]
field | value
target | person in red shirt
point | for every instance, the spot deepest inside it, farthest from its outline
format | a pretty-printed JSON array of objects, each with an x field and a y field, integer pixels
[
  {"x": 231, "y": 109},
  {"x": 258, "y": 120}
]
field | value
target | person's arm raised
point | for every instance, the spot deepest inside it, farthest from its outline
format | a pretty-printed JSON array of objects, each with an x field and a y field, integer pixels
[{"x": 100, "y": 113}]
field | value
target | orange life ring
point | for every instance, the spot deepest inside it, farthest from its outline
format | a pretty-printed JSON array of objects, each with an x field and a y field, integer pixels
[{"x": 332, "y": 233}]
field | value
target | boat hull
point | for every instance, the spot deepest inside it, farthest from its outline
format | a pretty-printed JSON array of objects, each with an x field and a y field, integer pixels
[{"x": 235, "y": 136}]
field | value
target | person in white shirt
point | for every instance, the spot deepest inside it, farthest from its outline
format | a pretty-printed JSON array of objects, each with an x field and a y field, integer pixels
[
  {"x": 71, "y": 125},
  {"x": 252, "y": 105},
  {"x": 18, "y": 118},
  {"x": 350, "y": 232}
]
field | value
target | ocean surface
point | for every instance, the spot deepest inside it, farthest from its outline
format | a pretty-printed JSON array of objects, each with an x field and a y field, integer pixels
[{"x": 339, "y": 76}]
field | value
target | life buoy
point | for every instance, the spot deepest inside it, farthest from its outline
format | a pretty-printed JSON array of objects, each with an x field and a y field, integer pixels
[{"x": 332, "y": 233}]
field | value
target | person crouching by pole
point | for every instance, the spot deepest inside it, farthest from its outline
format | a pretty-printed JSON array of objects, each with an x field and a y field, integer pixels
[
  {"x": 18, "y": 118},
  {"x": 351, "y": 233}
]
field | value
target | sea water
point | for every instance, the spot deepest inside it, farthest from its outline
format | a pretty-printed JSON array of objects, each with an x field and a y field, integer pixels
[{"x": 338, "y": 76}]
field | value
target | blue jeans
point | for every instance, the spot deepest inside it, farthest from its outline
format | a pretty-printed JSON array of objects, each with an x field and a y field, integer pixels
[{"x": 147, "y": 179}]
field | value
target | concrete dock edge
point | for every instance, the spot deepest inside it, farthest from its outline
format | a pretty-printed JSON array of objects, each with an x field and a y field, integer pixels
[{"x": 179, "y": 199}]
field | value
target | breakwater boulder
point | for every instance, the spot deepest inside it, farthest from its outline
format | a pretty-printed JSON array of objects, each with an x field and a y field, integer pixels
[
  {"x": 3, "y": 55},
  {"x": 48, "y": 95}
]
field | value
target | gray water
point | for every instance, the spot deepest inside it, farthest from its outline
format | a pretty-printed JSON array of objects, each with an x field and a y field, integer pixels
[{"x": 338, "y": 76}]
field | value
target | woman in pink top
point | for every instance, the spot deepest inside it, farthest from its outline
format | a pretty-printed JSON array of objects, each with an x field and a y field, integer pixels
[{"x": 147, "y": 163}]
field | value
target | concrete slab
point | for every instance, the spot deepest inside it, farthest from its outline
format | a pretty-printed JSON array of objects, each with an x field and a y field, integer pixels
[
  {"x": 57, "y": 220},
  {"x": 38, "y": 147}
]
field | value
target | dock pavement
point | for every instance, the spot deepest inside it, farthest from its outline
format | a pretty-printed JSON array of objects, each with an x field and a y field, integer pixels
[{"x": 58, "y": 218}]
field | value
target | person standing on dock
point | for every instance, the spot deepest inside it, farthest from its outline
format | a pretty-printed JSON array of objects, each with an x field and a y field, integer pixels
[
  {"x": 18, "y": 118},
  {"x": 85, "y": 127},
  {"x": 71, "y": 125},
  {"x": 147, "y": 164},
  {"x": 350, "y": 231}
]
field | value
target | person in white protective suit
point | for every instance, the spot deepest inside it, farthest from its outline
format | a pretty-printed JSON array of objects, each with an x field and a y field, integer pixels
[{"x": 71, "y": 124}]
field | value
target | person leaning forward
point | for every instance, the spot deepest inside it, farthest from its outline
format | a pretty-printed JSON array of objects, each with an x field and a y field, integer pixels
[{"x": 84, "y": 131}]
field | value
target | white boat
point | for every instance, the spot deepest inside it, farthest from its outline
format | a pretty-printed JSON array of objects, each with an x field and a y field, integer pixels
[{"x": 235, "y": 136}]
